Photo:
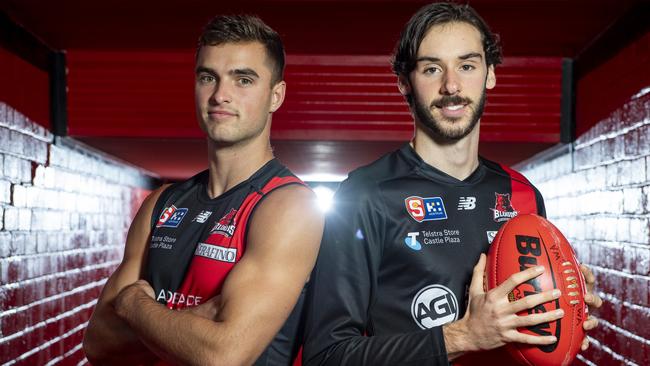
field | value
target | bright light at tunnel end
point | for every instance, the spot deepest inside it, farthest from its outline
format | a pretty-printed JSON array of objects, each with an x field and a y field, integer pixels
[{"x": 325, "y": 197}]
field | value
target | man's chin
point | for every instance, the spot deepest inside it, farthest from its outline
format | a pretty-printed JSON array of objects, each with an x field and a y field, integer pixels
[
  {"x": 453, "y": 128},
  {"x": 450, "y": 133},
  {"x": 451, "y": 136}
]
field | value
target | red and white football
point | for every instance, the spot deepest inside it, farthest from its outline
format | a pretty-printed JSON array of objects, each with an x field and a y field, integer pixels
[{"x": 527, "y": 241}]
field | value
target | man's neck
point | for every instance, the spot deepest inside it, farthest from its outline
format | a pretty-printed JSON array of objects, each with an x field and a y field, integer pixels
[
  {"x": 232, "y": 165},
  {"x": 458, "y": 159}
]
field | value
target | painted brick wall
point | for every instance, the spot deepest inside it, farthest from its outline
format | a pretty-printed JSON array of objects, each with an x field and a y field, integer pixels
[
  {"x": 64, "y": 213},
  {"x": 597, "y": 191}
]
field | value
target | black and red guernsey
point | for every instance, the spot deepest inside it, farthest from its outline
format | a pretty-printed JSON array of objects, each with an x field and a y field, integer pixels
[
  {"x": 196, "y": 241},
  {"x": 397, "y": 256}
]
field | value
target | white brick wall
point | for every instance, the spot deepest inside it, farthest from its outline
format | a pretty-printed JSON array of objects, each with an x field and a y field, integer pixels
[
  {"x": 598, "y": 193},
  {"x": 63, "y": 221}
]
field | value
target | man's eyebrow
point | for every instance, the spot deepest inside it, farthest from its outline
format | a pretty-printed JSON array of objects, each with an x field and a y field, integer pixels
[
  {"x": 466, "y": 56},
  {"x": 244, "y": 72},
  {"x": 427, "y": 58},
  {"x": 471, "y": 55},
  {"x": 237, "y": 72},
  {"x": 204, "y": 69}
]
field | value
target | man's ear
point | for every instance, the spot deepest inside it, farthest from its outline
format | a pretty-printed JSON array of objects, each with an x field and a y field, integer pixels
[
  {"x": 491, "y": 80},
  {"x": 277, "y": 95},
  {"x": 404, "y": 85}
]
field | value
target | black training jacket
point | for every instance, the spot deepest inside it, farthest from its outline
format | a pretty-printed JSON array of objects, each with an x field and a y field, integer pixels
[{"x": 397, "y": 256}]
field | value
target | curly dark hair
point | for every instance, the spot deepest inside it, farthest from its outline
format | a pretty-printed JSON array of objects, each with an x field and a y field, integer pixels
[
  {"x": 245, "y": 28},
  {"x": 412, "y": 35}
]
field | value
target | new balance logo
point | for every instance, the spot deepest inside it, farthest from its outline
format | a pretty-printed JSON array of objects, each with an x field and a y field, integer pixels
[
  {"x": 466, "y": 203},
  {"x": 202, "y": 217}
]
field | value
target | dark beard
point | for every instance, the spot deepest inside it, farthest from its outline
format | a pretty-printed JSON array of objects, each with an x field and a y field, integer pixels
[{"x": 425, "y": 117}]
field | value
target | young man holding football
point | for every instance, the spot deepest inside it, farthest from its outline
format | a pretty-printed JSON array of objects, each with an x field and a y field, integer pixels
[
  {"x": 399, "y": 277},
  {"x": 214, "y": 265}
]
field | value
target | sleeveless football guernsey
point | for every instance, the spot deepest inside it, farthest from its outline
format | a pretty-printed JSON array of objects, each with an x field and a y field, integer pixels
[{"x": 196, "y": 241}]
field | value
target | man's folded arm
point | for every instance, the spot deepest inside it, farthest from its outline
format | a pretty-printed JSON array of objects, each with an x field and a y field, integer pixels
[{"x": 258, "y": 295}]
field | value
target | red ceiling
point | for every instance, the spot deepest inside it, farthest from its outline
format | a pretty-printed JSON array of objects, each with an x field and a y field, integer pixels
[
  {"x": 527, "y": 28},
  {"x": 130, "y": 75}
]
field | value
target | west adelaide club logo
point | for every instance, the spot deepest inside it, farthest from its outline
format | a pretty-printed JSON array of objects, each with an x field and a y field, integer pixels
[
  {"x": 226, "y": 225},
  {"x": 503, "y": 210}
]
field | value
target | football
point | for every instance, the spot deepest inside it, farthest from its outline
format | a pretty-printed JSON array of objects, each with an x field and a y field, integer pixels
[{"x": 526, "y": 241}]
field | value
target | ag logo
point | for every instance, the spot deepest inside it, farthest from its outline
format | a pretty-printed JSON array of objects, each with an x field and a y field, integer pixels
[
  {"x": 425, "y": 209},
  {"x": 433, "y": 306}
]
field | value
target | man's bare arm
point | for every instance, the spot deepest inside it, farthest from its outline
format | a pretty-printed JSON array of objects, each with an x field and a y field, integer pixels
[
  {"x": 108, "y": 339},
  {"x": 257, "y": 297}
]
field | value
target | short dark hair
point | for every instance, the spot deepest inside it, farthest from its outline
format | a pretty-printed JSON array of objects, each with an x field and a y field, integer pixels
[
  {"x": 245, "y": 28},
  {"x": 412, "y": 35}
]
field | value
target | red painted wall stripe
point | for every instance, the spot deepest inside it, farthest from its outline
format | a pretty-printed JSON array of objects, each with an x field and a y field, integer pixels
[{"x": 121, "y": 94}]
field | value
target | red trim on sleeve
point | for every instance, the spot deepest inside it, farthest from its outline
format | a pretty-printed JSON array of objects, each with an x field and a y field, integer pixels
[
  {"x": 276, "y": 182},
  {"x": 523, "y": 194}
]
